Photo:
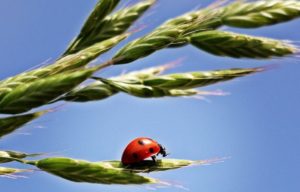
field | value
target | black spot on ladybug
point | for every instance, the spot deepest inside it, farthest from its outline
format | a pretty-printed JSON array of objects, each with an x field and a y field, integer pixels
[
  {"x": 134, "y": 155},
  {"x": 141, "y": 142},
  {"x": 151, "y": 150}
]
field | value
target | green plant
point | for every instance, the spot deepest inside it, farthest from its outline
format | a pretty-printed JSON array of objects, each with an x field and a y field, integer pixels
[{"x": 104, "y": 29}]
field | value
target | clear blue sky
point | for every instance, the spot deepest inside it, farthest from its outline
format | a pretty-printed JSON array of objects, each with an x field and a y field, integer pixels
[{"x": 257, "y": 125}]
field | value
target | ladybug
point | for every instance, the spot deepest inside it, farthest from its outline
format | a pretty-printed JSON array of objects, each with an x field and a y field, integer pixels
[{"x": 141, "y": 148}]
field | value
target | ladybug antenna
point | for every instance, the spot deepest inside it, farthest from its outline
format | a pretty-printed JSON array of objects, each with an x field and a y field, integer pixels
[{"x": 163, "y": 151}]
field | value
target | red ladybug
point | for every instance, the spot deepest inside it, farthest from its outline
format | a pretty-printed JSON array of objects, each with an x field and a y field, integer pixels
[{"x": 141, "y": 148}]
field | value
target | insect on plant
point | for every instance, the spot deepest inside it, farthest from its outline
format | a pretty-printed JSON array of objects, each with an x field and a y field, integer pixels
[{"x": 107, "y": 26}]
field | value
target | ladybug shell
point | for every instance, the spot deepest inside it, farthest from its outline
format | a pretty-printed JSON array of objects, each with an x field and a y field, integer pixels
[{"x": 139, "y": 149}]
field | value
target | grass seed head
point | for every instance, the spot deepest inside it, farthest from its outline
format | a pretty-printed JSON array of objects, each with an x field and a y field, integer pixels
[
  {"x": 90, "y": 172},
  {"x": 236, "y": 45},
  {"x": 260, "y": 13},
  {"x": 42, "y": 91},
  {"x": 92, "y": 24},
  {"x": 11, "y": 124},
  {"x": 99, "y": 90}
]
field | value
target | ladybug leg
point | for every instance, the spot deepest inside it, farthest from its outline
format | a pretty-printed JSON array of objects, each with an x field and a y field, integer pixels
[
  {"x": 163, "y": 151},
  {"x": 153, "y": 158}
]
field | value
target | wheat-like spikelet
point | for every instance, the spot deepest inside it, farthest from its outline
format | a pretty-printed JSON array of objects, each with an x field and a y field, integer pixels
[
  {"x": 90, "y": 172},
  {"x": 91, "y": 92},
  {"x": 9, "y": 172},
  {"x": 245, "y": 14},
  {"x": 241, "y": 14},
  {"x": 147, "y": 45},
  {"x": 108, "y": 172},
  {"x": 172, "y": 32},
  {"x": 40, "y": 92},
  {"x": 260, "y": 13},
  {"x": 176, "y": 85},
  {"x": 159, "y": 85},
  {"x": 162, "y": 37},
  {"x": 162, "y": 164},
  {"x": 238, "y": 46},
  {"x": 99, "y": 90},
  {"x": 10, "y": 124},
  {"x": 8, "y": 156},
  {"x": 68, "y": 63},
  {"x": 139, "y": 90},
  {"x": 128, "y": 84},
  {"x": 91, "y": 25},
  {"x": 111, "y": 26}
]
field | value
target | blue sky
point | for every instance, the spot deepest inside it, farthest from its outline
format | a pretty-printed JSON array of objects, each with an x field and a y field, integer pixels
[{"x": 257, "y": 125}]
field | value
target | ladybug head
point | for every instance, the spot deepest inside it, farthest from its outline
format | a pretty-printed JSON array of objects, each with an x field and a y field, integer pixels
[{"x": 162, "y": 151}]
